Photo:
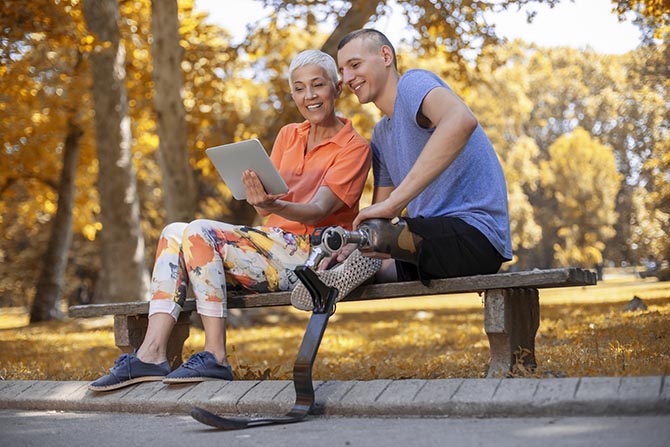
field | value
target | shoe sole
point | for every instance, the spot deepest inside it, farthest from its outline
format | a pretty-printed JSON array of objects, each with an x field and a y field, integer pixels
[
  {"x": 173, "y": 381},
  {"x": 353, "y": 272},
  {"x": 126, "y": 383}
]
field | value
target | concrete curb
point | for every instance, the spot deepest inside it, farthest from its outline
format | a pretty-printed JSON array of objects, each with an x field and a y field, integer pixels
[{"x": 376, "y": 398}]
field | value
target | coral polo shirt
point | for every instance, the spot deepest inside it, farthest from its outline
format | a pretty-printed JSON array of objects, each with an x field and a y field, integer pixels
[{"x": 341, "y": 163}]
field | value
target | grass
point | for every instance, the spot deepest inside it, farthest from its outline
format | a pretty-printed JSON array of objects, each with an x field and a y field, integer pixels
[{"x": 583, "y": 332}]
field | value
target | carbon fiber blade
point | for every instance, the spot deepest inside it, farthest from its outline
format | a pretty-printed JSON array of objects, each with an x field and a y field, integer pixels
[{"x": 223, "y": 423}]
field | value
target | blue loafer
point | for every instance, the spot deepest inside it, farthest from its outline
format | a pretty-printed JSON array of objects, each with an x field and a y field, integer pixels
[
  {"x": 127, "y": 370},
  {"x": 198, "y": 368}
]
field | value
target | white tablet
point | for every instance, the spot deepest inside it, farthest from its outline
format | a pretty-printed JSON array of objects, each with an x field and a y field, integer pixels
[{"x": 231, "y": 160}]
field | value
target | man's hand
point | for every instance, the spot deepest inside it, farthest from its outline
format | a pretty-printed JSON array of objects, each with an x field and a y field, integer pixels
[{"x": 383, "y": 210}]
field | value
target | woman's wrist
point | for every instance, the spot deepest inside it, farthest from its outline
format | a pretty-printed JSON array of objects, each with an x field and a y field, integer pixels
[{"x": 275, "y": 207}]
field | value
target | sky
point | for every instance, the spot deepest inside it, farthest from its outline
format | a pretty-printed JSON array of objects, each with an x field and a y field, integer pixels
[{"x": 582, "y": 24}]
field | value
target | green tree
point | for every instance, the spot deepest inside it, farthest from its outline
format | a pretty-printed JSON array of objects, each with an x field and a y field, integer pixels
[
  {"x": 614, "y": 101},
  {"x": 581, "y": 179},
  {"x": 650, "y": 67},
  {"x": 499, "y": 98},
  {"x": 650, "y": 235}
]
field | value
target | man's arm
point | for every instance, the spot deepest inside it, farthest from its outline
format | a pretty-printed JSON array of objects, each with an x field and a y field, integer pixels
[
  {"x": 453, "y": 122},
  {"x": 381, "y": 193}
]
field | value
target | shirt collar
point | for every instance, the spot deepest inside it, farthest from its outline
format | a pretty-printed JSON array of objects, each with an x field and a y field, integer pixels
[{"x": 341, "y": 138}]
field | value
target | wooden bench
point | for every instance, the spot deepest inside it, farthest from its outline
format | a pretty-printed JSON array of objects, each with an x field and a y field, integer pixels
[{"x": 511, "y": 310}]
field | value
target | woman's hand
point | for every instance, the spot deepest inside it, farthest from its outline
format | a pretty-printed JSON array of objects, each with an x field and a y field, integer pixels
[
  {"x": 256, "y": 194},
  {"x": 338, "y": 257}
]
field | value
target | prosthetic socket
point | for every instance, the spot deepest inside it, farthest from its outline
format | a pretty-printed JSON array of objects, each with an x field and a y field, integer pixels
[{"x": 389, "y": 236}]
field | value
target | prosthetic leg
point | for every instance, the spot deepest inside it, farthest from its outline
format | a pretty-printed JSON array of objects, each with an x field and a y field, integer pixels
[
  {"x": 324, "y": 304},
  {"x": 391, "y": 237},
  {"x": 375, "y": 235}
]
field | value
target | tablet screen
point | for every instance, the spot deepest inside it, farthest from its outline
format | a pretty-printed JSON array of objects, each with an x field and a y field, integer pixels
[{"x": 231, "y": 160}]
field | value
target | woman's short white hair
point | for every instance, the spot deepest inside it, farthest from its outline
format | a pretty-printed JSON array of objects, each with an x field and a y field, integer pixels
[{"x": 314, "y": 57}]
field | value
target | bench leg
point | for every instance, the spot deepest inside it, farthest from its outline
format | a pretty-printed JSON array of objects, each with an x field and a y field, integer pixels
[
  {"x": 511, "y": 320},
  {"x": 129, "y": 331}
]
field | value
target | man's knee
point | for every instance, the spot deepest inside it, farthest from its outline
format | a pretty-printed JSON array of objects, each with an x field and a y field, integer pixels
[{"x": 392, "y": 237}]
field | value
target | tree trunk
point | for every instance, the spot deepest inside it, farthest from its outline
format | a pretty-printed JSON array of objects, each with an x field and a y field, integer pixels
[
  {"x": 356, "y": 17},
  {"x": 179, "y": 194},
  {"x": 123, "y": 276},
  {"x": 50, "y": 283}
]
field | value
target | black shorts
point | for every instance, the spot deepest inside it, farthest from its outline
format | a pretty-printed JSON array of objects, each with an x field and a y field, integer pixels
[{"x": 450, "y": 248}]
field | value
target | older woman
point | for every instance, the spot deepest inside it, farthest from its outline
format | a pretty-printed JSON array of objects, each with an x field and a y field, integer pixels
[{"x": 325, "y": 164}]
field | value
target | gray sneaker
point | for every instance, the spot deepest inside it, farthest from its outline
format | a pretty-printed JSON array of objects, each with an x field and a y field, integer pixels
[
  {"x": 345, "y": 277},
  {"x": 198, "y": 368}
]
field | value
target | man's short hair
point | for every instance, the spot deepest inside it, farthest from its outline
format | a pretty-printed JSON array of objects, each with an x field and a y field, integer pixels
[
  {"x": 314, "y": 57},
  {"x": 377, "y": 37}
]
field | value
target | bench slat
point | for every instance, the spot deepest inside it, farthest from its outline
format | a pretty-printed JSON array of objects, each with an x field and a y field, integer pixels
[{"x": 538, "y": 279}]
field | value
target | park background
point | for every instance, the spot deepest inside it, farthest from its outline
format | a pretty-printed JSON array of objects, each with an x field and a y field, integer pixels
[{"x": 107, "y": 107}]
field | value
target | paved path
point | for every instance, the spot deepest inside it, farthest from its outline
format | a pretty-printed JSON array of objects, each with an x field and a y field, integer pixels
[
  {"x": 595, "y": 396},
  {"x": 32, "y": 428}
]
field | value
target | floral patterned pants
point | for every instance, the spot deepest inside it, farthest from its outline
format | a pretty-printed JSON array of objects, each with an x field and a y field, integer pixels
[{"x": 215, "y": 257}]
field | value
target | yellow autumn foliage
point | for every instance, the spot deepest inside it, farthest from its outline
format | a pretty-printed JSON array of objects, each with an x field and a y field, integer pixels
[{"x": 525, "y": 97}]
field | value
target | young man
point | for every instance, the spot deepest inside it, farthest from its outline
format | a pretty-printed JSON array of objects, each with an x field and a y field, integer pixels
[{"x": 432, "y": 158}]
